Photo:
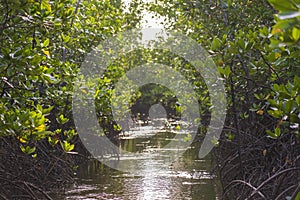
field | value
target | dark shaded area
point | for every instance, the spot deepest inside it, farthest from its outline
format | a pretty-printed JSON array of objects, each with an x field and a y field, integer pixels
[
  {"x": 25, "y": 176},
  {"x": 152, "y": 94}
]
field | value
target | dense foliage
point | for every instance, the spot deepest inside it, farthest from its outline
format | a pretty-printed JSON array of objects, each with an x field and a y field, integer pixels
[
  {"x": 258, "y": 154},
  {"x": 43, "y": 44}
]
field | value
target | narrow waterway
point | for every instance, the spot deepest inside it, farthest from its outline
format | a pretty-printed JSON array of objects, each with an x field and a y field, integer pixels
[{"x": 186, "y": 178}]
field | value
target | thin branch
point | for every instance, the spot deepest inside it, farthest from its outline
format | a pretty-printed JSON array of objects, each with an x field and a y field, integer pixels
[
  {"x": 270, "y": 67},
  {"x": 247, "y": 184},
  {"x": 274, "y": 176},
  {"x": 37, "y": 188},
  {"x": 3, "y": 197}
]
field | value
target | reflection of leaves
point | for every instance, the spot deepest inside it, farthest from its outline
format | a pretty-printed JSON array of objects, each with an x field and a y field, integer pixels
[
  {"x": 177, "y": 127},
  {"x": 188, "y": 137},
  {"x": 215, "y": 141}
]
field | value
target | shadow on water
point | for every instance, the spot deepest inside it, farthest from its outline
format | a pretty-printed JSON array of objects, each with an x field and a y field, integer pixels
[{"x": 186, "y": 178}]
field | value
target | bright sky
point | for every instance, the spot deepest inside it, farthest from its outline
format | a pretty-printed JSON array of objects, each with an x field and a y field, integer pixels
[{"x": 149, "y": 19}]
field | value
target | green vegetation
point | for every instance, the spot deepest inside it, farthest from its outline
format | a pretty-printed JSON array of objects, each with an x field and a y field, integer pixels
[
  {"x": 255, "y": 45},
  {"x": 42, "y": 46},
  {"x": 258, "y": 154}
]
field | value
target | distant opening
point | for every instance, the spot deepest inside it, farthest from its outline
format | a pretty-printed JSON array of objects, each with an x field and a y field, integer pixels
[{"x": 155, "y": 101}]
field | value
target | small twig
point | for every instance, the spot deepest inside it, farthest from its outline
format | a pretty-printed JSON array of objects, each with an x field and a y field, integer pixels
[
  {"x": 30, "y": 191},
  {"x": 270, "y": 67},
  {"x": 37, "y": 188},
  {"x": 245, "y": 183},
  {"x": 3, "y": 197}
]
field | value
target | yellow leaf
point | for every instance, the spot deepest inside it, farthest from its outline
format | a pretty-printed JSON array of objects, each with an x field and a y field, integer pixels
[
  {"x": 46, "y": 5},
  {"x": 40, "y": 128},
  {"x": 22, "y": 140},
  {"x": 277, "y": 55},
  {"x": 260, "y": 112},
  {"x": 46, "y": 52},
  {"x": 296, "y": 33},
  {"x": 84, "y": 91},
  {"x": 267, "y": 97}
]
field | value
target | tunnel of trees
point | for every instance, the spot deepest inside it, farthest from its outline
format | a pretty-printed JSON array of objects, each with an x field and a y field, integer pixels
[{"x": 255, "y": 45}]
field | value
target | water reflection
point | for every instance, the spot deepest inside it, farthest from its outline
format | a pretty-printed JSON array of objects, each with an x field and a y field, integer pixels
[{"x": 187, "y": 177}]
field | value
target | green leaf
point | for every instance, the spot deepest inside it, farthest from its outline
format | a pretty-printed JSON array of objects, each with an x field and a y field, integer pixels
[
  {"x": 297, "y": 196},
  {"x": 66, "y": 39},
  {"x": 39, "y": 108},
  {"x": 288, "y": 106},
  {"x": 46, "y": 42},
  {"x": 241, "y": 44},
  {"x": 276, "y": 88},
  {"x": 28, "y": 150},
  {"x": 61, "y": 119},
  {"x": 294, "y": 118},
  {"x": 229, "y": 3},
  {"x": 230, "y": 136},
  {"x": 297, "y": 81},
  {"x": 296, "y": 33},
  {"x": 52, "y": 140},
  {"x": 225, "y": 71},
  {"x": 276, "y": 113},
  {"x": 271, "y": 134},
  {"x": 46, "y": 111},
  {"x": 277, "y": 132},
  {"x": 45, "y": 5},
  {"x": 187, "y": 138},
  {"x": 215, "y": 141},
  {"x": 216, "y": 44},
  {"x": 283, "y": 5},
  {"x": 282, "y": 25},
  {"x": 298, "y": 99},
  {"x": 257, "y": 96},
  {"x": 67, "y": 146}
]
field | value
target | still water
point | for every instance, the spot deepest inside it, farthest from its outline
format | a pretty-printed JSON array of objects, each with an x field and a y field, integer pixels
[{"x": 186, "y": 178}]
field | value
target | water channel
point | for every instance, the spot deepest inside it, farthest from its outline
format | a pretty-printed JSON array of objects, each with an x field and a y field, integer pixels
[{"x": 186, "y": 178}]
